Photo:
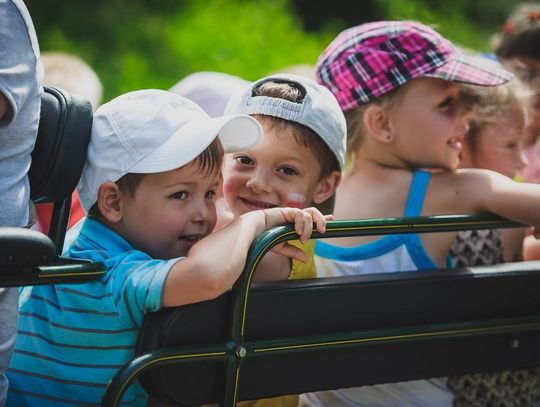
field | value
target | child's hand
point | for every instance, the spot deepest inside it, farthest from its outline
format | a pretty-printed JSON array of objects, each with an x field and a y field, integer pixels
[{"x": 303, "y": 220}]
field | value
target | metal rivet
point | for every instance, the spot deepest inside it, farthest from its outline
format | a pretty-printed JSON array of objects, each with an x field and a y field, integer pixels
[
  {"x": 515, "y": 343},
  {"x": 241, "y": 352}
]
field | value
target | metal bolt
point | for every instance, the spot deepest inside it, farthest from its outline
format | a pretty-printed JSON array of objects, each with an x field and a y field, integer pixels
[
  {"x": 514, "y": 344},
  {"x": 241, "y": 352}
]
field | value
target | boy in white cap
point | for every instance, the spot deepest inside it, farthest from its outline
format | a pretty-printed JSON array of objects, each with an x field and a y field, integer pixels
[
  {"x": 298, "y": 163},
  {"x": 148, "y": 185}
]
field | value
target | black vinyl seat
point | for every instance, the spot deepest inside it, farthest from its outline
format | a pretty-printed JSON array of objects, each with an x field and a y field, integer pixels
[{"x": 28, "y": 256}]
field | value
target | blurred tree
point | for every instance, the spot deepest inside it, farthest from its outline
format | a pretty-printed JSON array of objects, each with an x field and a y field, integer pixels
[
  {"x": 141, "y": 43},
  {"x": 318, "y": 14}
]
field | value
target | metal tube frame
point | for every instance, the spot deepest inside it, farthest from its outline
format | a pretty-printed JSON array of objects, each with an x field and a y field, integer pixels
[{"x": 235, "y": 350}]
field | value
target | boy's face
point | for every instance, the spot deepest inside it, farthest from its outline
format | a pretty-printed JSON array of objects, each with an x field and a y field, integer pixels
[
  {"x": 430, "y": 124},
  {"x": 499, "y": 145},
  {"x": 277, "y": 172},
  {"x": 170, "y": 211}
]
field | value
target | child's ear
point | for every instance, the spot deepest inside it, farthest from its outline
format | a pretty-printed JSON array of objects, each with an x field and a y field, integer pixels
[
  {"x": 326, "y": 187},
  {"x": 110, "y": 201},
  {"x": 377, "y": 123}
]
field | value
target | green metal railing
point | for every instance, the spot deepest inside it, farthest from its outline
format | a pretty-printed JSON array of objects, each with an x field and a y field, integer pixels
[{"x": 235, "y": 349}]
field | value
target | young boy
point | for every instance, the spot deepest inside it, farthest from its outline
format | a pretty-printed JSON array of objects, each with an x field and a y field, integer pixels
[
  {"x": 298, "y": 163},
  {"x": 148, "y": 185}
]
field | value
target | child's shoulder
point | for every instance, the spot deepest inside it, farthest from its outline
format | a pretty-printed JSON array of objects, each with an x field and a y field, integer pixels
[{"x": 461, "y": 191}]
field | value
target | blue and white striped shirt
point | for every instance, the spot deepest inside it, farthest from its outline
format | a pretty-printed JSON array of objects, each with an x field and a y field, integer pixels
[{"x": 72, "y": 339}]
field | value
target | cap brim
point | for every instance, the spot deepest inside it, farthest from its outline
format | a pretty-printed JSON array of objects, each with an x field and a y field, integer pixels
[
  {"x": 235, "y": 132},
  {"x": 473, "y": 70}
]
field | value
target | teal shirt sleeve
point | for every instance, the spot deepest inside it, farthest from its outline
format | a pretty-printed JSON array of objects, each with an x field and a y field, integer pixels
[{"x": 137, "y": 284}]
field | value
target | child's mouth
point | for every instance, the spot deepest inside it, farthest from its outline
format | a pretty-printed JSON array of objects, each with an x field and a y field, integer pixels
[
  {"x": 255, "y": 205},
  {"x": 190, "y": 240}
]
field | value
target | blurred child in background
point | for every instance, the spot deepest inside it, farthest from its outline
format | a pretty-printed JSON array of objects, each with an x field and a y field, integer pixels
[
  {"x": 210, "y": 90},
  {"x": 70, "y": 73},
  {"x": 495, "y": 141},
  {"x": 518, "y": 46}
]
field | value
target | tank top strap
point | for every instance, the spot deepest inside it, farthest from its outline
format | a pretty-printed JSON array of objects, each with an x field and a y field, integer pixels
[{"x": 417, "y": 193}]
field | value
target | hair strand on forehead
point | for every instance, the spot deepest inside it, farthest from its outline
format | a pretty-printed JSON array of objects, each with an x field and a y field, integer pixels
[
  {"x": 209, "y": 161},
  {"x": 303, "y": 135}
]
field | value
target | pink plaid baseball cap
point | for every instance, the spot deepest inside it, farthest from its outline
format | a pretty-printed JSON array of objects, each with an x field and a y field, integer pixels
[{"x": 369, "y": 60}]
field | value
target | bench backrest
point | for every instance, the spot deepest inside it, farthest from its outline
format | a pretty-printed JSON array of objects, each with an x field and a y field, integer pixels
[
  {"x": 299, "y": 336},
  {"x": 341, "y": 332}
]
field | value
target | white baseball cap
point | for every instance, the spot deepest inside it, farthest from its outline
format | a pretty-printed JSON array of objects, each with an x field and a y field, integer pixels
[
  {"x": 150, "y": 131},
  {"x": 318, "y": 110}
]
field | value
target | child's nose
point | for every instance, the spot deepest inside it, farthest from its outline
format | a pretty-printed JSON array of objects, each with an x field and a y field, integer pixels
[
  {"x": 259, "y": 182},
  {"x": 200, "y": 213}
]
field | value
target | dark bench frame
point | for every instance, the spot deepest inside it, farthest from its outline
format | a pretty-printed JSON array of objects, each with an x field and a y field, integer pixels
[{"x": 246, "y": 345}]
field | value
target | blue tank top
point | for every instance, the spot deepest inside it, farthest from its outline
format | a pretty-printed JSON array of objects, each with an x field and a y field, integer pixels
[{"x": 391, "y": 253}]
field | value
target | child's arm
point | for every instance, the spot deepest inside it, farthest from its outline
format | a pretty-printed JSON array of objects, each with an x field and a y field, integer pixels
[
  {"x": 214, "y": 263},
  {"x": 488, "y": 191},
  {"x": 531, "y": 248}
]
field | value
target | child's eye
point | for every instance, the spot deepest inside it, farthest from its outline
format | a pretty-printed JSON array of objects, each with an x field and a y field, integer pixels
[
  {"x": 448, "y": 102},
  {"x": 243, "y": 159},
  {"x": 288, "y": 171},
  {"x": 180, "y": 195},
  {"x": 210, "y": 194},
  {"x": 512, "y": 145}
]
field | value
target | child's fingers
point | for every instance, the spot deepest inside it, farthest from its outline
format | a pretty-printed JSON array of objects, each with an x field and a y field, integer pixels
[
  {"x": 293, "y": 252},
  {"x": 303, "y": 225},
  {"x": 319, "y": 219},
  {"x": 308, "y": 228}
]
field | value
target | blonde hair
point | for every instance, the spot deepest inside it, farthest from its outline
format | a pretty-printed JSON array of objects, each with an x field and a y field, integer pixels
[
  {"x": 489, "y": 102},
  {"x": 72, "y": 74},
  {"x": 356, "y": 129}
]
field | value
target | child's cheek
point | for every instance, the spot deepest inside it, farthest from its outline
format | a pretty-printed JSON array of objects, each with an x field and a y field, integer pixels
[
  {"x": 228, "y": 189},
  {"x": 296, "y": 201}
]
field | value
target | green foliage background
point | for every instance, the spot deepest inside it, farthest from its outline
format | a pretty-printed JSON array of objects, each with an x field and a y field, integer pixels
[{"x": 134, "y": 44}]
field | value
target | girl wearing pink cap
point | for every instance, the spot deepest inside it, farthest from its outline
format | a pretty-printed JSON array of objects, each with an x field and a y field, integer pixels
[{"x": 399, "y": 85}]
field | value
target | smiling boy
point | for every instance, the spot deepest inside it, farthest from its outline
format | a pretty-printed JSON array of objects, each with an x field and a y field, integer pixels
[
  {"x": 297, "y": 164},
  {"x": 148, "y": 185}
]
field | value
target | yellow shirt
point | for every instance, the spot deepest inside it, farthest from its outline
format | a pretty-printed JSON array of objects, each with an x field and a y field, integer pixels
[{"x": 301, "y": 270}]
